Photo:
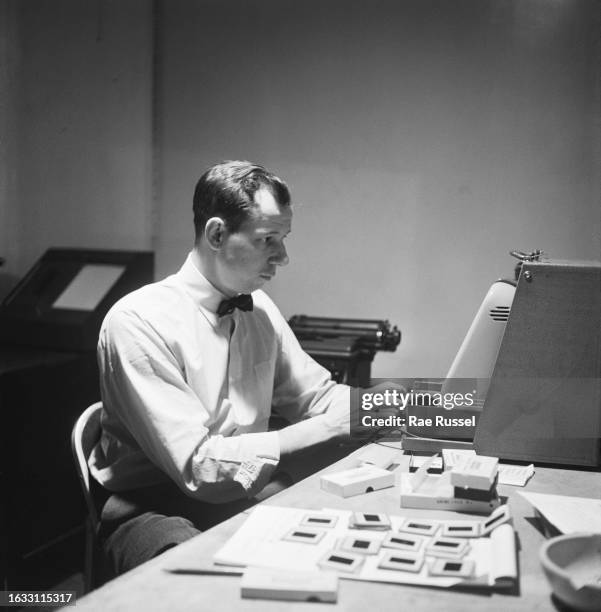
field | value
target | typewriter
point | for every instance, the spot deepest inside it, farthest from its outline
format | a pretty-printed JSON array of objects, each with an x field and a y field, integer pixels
[{"x": 346, "y": 347}]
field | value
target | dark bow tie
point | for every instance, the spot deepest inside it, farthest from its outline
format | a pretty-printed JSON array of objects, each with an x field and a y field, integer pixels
[{"x": 244, "y": 301}]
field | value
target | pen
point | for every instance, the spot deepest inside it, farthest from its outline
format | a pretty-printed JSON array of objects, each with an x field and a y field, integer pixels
[{"x": 205, "y": 571}]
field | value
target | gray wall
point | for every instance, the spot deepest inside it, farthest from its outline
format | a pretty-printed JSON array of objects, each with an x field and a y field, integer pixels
[
  {"x": 84, "y": 150},
  {"x": 9, "y": 135},
  {"x": 422, "y": 140}
]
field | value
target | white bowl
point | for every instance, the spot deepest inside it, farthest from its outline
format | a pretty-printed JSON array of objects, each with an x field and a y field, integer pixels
[{"x": 572, "y": 564}]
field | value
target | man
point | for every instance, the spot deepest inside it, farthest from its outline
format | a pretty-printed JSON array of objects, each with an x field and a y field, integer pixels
[{"x": 190, "y": 369}]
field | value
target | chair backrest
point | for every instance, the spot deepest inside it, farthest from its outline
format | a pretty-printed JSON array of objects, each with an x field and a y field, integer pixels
[{"x": 85, "y": 435}]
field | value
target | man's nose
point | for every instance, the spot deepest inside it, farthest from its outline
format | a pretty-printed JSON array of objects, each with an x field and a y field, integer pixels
[{"x": 281, "y": 257}]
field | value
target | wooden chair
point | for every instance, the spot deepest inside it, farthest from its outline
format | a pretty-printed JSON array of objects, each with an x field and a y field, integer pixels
[{"x": 85, "y": 435}]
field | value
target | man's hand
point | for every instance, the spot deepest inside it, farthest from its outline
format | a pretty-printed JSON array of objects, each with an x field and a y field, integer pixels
[
  {"x": 381, "y": 401},
  {"x": 386, "y": 385},
  {"x": 344, "y": 416}
]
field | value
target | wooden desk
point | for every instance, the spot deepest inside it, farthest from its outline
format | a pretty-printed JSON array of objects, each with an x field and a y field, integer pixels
[{"x": 149, "y": 587}]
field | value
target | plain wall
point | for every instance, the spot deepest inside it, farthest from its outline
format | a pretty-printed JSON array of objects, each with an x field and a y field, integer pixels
[
  {"x": 84, "y": 154},
  {"x": 9, "y": 135},
  {"x": 422, "y": 141}
]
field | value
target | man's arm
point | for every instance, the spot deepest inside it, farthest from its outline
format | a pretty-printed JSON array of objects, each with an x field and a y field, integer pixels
[
  {"x": 304, "y": 392},
  {"x": 335, "y": 423}
]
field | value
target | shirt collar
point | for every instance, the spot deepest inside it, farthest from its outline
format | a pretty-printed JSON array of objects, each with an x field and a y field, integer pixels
[{"x": 198, "y": 287}]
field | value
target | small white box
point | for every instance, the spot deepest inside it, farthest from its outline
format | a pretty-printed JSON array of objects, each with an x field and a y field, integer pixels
[
  {"x": 379, "y": 456},
  {"x": 461, "y": 529},
  {"x": 499, "y": 516},
  {"x": 402, "y": 561},
  {"x": 263, "y": 583},
  {"x": 456, "y": 569},
  {"x": 319, "y": 519},
  {"x": 369, "y": 520},
  {"x": 341, "y": 561},
  {"x": 357, "y": 481},
  {"x": 453, "y": 456},
  {"x": 304, "y": 535},
  {"x": 420, "y": 526},
  {"x": 453, "y": 548},
  {"x": 360, "y": 545},
  {"x": 437, "y": 493},
  {"x": 475, "y": 473},
  {"x": 403, "y": 541}
]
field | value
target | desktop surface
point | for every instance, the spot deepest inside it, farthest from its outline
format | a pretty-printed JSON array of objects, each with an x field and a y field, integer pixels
[{"x": 151, "y": 587}]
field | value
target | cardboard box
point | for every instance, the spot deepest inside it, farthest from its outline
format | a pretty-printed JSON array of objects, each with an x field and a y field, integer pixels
[
  {"x": 264, "y": 583},
  {"x": 475, "y": 472},
  {"x": 437, "y": 493},
  {"x": 358, "y": 480}
]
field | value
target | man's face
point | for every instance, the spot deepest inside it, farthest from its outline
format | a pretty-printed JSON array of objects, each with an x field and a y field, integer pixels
[{"x": 249, "y": 257}]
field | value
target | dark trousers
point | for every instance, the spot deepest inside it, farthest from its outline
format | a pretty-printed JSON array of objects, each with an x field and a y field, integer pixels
[{"x": 140, "y": 524}]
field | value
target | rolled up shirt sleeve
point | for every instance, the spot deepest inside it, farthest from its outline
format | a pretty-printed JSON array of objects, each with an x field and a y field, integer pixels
[
  {"x": 302, "y": 388},
  {"x": 248, "y": 459},
  {"x": 145, "y": 394}
]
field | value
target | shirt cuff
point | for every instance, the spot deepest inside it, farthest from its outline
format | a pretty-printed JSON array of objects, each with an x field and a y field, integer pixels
[{"x": 254, "y": 474}]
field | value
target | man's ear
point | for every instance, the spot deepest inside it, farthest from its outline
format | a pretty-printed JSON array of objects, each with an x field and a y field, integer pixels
[{"x": 215, "y": 231}]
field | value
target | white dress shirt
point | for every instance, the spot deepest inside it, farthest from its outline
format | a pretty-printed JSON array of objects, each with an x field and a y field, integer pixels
[{"x": 185, "y": 400}]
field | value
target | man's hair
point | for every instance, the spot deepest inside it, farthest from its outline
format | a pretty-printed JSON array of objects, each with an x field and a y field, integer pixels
[{"x": 227, "y": 190}]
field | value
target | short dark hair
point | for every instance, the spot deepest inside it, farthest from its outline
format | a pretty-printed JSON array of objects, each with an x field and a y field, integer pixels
[{"x": 227, "y": 190}]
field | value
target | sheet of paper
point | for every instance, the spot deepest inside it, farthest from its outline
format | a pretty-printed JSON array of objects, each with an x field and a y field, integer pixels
[
  {"x": 88, "y": 287},
  {"x": 504, "y": 559},
  {"x": 259, "y": 543},
  {"x": 516, "y": 475},
  {"x": 567, "y": 514}
]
